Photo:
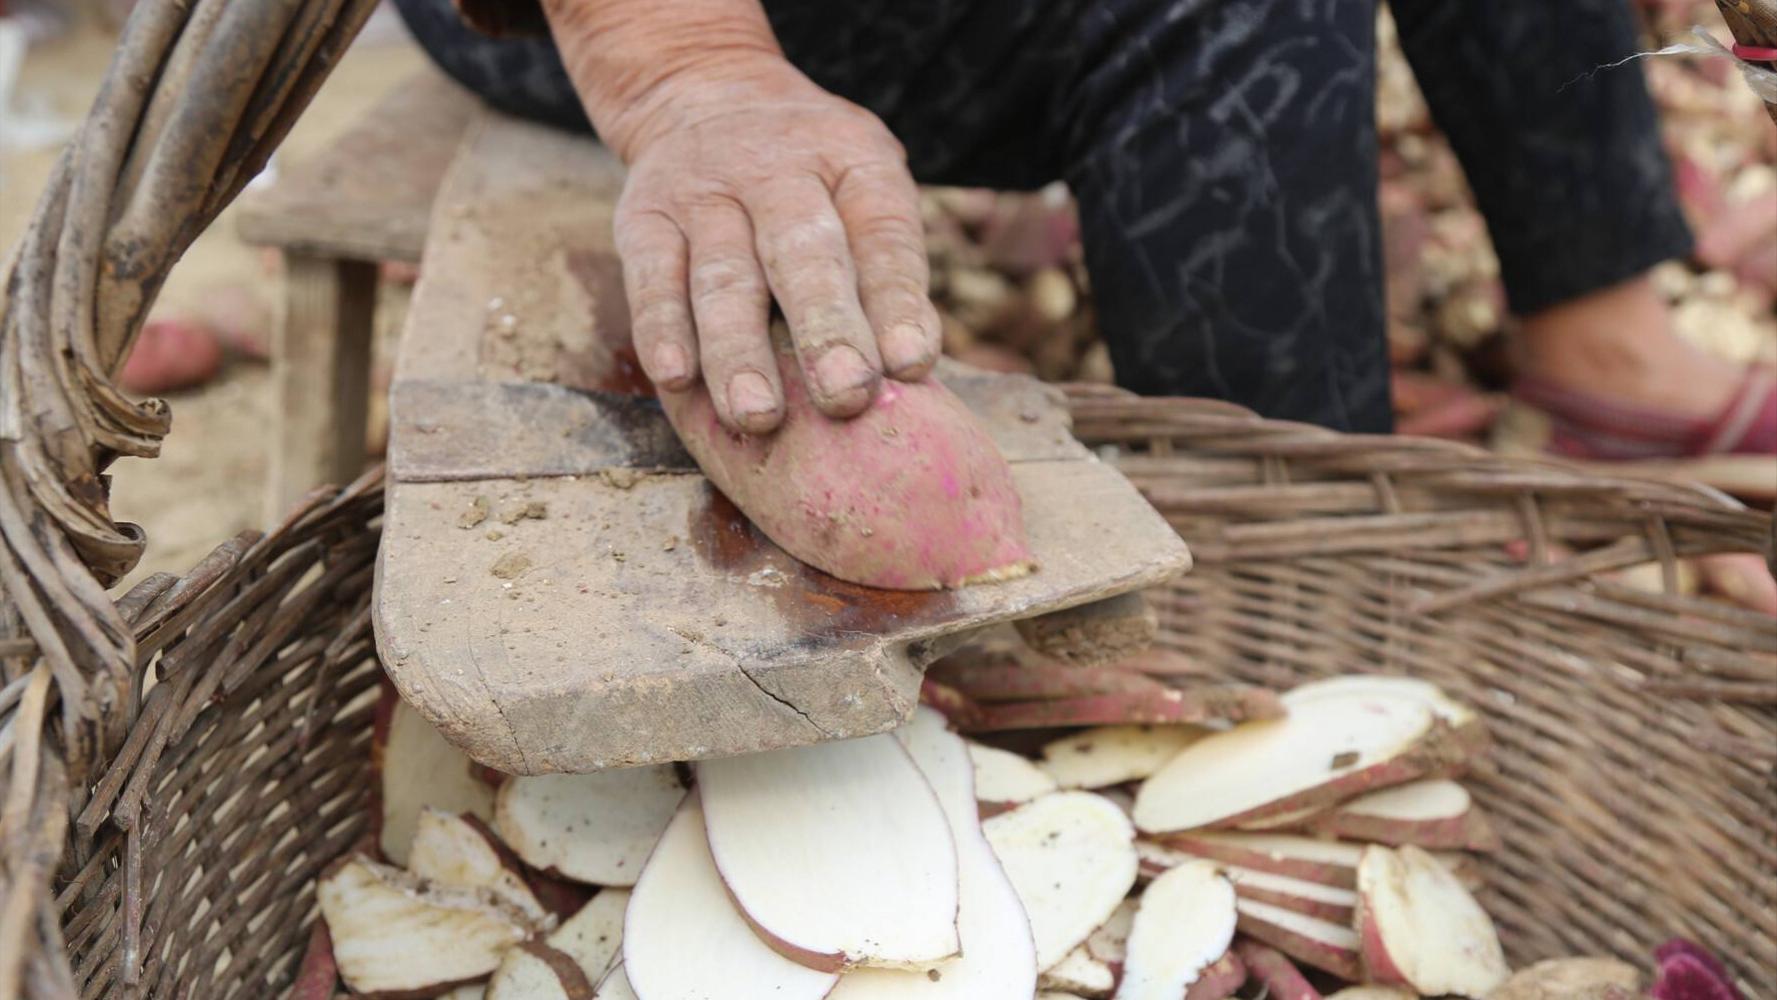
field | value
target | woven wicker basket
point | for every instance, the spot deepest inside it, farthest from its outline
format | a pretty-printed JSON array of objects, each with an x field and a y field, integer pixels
[{"x": 177, "y": 765}]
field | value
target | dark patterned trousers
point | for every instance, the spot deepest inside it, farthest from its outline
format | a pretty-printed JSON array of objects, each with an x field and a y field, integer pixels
[{"x": 1224, "y": 156}]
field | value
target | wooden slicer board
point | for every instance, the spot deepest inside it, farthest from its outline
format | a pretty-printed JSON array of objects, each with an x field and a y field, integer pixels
[{"x": 559, "y": 589}]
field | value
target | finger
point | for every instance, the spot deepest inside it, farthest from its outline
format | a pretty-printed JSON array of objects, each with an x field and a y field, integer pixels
[
  {"x": 880, "y": 208},
  {"x": 808, "y": 264},
  {"x": 730, "y": 302},
  {"x": 653, "y": 253}
]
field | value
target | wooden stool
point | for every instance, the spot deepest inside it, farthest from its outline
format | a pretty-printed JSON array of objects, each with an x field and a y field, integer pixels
[{"x": 336, "y": 217}]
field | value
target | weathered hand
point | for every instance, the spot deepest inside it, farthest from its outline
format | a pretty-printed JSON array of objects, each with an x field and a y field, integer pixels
[{"x": 748, "y": 182}]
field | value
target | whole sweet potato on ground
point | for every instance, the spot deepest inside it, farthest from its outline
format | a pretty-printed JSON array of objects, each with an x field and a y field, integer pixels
[{"x": 911, "y": 494}]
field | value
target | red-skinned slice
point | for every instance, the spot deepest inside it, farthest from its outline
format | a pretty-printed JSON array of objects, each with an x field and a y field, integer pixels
[
  {"x": 1273, "y": 970},
  {"x": 461, "y": 851},
  {"x": 1111, "y": 755},
  {"x": 395, "y": 935},
  {"x": 684, "y": 937},
  {"x": 1434, "y": 813},
  {"x": 1467, "y": 730},
  {"x": 1421, "y": 929},
  {"x": 839, "y": 854},
  {"x": 1184, "y": 924},
  {"x": 317, "y": 978},
  {"x": 911, "y": 494},
  {"x": 595, "y": 828},
  {"x": 1071, "y": 856},
  {"x": 1218, "y": 982},
  {"x": 998, "y": 960},
  {"x": 1324, "y": 861},
  {"x": 1328, "y": 748},
  {"x": 1328, "y": 946},
  {"x": 1312, "y": 899}
]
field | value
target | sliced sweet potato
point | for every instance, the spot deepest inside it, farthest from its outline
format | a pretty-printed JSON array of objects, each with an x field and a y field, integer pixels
[
  {"x": 1004, "y": 779},
  {"x": 317, "y": 978},
  {"x": 1329, "y": 748},
  {"x": 595, "y": 828},
  {"x": 1184, "y": 924},
  {"x": 1313, "y": 899},
  {"x": 1421, "y": 929},
  {"x": 461, "y": 851},
  {"x": 1332, "y": 947},
  {"x": 684, "y": 937},
  {"x": 1071, "y": 856},
  {"x": 1111, "y": 755},
  {"x": 998, "y": 960},
  {"x": 1273, "y": 970},
  {"x": 420, "y": 769},
  {"x": 535, "y": 971},
  {"x": 912, "y": 494},
  {"x": 1220, "y": 981},
  {"x": 593, "y": 937},
  {"x": 1434, "y": 813},
  {"x": 1468, "y": 732},
  {"x": 395, "y": 934},
  {"x": 1080, "y": 974},
  {"x": 1110, "y": 943},
  {"x": 839, "y": 854},
  {"x": 1324, "y": 861}
]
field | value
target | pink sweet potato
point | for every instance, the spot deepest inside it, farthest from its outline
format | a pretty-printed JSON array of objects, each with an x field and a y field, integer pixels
[
  {"x": 911, "y": 494},
  {"x": 1218, "y": 980},
  {"x": 317, "y": 978},
  {"x": 1273, "y": 970}
]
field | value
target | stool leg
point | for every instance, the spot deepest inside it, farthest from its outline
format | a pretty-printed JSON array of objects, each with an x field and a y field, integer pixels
[{"x": 321, "y": 370}]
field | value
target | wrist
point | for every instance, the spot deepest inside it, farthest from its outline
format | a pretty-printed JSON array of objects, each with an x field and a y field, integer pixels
[{"x": 641, "y": 66}]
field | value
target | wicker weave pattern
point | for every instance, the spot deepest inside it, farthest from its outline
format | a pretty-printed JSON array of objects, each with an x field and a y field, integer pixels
[
  {"x": 1635, "y": 734},
  {"x": 247, "y": 771}
]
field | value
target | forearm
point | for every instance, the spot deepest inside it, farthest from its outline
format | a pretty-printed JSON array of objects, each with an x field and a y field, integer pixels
[{"x": 625, "y": 56}]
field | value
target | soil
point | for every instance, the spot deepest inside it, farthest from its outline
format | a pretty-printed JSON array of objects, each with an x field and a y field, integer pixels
[{"x": 208, "y": 482}]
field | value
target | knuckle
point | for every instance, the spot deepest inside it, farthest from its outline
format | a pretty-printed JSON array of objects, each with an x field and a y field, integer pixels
[
  {"x": 726, "y": 275},
  {"x": 894, "y": 286},
  {"x": 811, "y": 235}
]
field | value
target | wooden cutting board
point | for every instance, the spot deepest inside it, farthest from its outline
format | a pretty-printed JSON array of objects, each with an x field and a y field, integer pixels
[{"x": 559, "y": 589}]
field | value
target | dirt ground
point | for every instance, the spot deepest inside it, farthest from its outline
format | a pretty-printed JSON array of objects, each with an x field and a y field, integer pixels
[{"x": 208, "y": 482}]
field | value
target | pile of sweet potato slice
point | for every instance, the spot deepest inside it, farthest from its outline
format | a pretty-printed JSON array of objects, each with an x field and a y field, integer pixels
[{"x": 1323, "y": 843}]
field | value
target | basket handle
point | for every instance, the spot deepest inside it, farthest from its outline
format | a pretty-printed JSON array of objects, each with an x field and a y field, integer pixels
[{"x": 197, "y": 96}]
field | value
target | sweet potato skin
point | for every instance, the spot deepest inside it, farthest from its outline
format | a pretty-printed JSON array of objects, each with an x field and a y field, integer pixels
[
  {"x": 911, "y": 494},
  {"x": 1272, "y": 969},
  {"x": 1219, "y": 979}
]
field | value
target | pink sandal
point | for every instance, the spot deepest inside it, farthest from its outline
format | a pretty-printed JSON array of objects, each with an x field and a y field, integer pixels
[{"x": 1735, "y": 451}]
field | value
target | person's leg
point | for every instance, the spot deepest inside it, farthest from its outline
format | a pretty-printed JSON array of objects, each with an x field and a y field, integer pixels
[
  {"x": 1224, "y": 157},
  {"x": 1563, "y": 152}
]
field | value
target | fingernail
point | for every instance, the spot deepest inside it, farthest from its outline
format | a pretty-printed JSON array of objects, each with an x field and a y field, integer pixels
[
  {"x": 842, "y": 371},
  {"x": 671, "y": 364},
  {"x": 749, "y": 396},
  {"x": 905, "y": 349}
]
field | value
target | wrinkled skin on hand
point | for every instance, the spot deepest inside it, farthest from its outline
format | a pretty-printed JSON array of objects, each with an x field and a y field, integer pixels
[{"x": 749, "y": 183}]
